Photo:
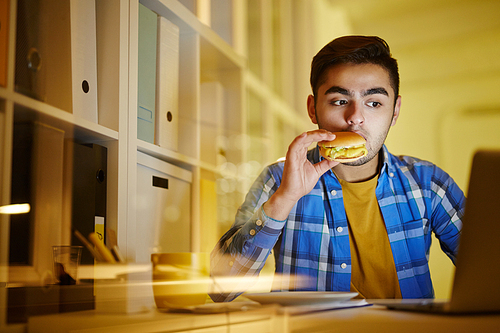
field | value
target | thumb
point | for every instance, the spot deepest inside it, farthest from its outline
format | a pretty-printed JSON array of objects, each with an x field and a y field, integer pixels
[{"x": 324, "y": 166}]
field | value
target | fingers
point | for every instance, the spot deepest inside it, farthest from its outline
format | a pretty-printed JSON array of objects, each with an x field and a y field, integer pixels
[
  {"x": 319, "y": 135},
  {"x": 300, "y": 145},
  {"x": 324, "y": 166},
  {"x": 307, "y": 138}
]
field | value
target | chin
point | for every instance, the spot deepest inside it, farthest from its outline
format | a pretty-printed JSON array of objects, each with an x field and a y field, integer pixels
[
  {"x": 359, "y": 162},
  {"x": 362, "y": 161}
]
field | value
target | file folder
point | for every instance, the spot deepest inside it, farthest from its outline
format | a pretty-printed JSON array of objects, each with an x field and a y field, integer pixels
[
  {"x": 37, "y": 179},
  {"x": 56, "y": 58},
  {"x": 43, "y": 51},
  {"x": 146, "y": 85},
  {"x": 167, "y": 85},
  {"x": 208, "y": 213},
  {"x": 212, "y": 121},
  {"x": 88, "y": 207},
  {"x": 4, "y": 40},
  {"x": 84, "y": 59}
]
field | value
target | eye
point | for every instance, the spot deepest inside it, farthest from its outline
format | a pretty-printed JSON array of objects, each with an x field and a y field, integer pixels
[
  {"x": 338, "y": 102},
  {"x": 374, "y": 104}
]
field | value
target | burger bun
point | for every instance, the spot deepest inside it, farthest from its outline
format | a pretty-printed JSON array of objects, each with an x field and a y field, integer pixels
[{"x": 346, "y": 147}]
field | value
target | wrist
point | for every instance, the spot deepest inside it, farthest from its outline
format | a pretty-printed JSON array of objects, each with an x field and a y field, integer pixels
[{"x": 278, "y": 207}]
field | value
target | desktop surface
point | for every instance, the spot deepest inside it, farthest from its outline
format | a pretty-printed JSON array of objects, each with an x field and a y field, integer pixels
[
  {"x": 378, "y": 318},
  {"x": 373, "y": 318}
]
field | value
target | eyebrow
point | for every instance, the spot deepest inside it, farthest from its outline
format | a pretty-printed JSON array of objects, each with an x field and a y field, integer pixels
[
  {"x": 343, "y": 91},
  {"x": 337, "y": 89},
  {"x": 374, "y": 91}
]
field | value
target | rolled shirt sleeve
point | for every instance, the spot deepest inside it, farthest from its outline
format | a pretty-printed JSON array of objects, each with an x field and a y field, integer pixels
[{"x": 244, "y": 249}]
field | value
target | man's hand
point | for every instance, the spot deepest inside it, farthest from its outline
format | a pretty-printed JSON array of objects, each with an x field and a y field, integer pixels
[{"x": 299, "y": 174}]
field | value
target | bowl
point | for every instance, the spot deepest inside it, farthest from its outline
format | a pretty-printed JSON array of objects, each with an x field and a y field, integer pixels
[{"x": 180, "y": 279}]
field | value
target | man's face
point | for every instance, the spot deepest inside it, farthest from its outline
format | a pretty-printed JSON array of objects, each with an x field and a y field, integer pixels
[{"x": 357, "y": 98}]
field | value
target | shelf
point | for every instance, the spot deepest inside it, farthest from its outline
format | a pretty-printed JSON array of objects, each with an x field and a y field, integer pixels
[
  {"x": 28, "y": 109},
  {"x": 166, "y": 155},
  {"x": 224, "y": 57},
  {"x": 176, "y": 158}
]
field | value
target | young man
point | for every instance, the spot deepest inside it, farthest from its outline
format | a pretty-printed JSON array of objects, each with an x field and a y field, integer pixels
[{"x": 363, "y": 226}]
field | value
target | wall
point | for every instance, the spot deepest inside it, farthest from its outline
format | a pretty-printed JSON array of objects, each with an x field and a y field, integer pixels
[
  {"x": 449, "y": 65},
  {"x": 449, "y": 62},
  {"x": 315, "y": 24}
]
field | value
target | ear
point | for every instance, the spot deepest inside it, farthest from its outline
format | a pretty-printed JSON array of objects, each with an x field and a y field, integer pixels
[
  {"x": 311, "y": 109},
  {"x": 397, "y": 108}
]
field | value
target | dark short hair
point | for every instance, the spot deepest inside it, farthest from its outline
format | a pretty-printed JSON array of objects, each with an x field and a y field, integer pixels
[{"x": 354, "y": 50}]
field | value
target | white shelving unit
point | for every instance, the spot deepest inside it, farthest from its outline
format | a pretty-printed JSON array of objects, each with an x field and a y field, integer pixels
[{"x": 241, "y": 49}]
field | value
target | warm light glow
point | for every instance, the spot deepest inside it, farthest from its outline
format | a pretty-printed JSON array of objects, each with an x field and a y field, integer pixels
[{"x": 15, "y": 209}]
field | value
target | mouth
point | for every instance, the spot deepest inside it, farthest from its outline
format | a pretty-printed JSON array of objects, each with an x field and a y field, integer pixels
[{"x": 360, "y": 133}]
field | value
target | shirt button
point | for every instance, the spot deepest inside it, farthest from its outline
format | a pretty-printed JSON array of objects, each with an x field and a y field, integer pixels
[
  {"x": 258, "y": 223},
  {"x": 333, "y": 193},
  {"x": 391, "y": 175},
  {"x": 340, "y": 229},
  {"x": 252, "y": 232},
  {"x": 231, "y": 263},
  {"x": 343, "y": 265}
]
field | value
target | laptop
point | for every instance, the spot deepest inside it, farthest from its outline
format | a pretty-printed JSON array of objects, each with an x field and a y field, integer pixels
[{"x": 476, "y": 285}]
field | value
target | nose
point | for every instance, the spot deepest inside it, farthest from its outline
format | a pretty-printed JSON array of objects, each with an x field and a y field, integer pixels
[{"x": 354, "y": 115}]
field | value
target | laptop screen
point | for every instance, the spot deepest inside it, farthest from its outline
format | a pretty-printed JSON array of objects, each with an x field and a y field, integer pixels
[{"x": 476, "y": 283}]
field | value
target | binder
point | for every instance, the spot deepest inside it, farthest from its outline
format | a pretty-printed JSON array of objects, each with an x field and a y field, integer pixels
[
  {"x": 101, "y": 179},
  {"x": 167, "y": 85},
  {"x": 4, "y": 40},
  {"x": 146, "y": 85},
  {"x": 89, "y": 180},
  {"x": 20, "y": 225},
  {"x": 37, "y": 179},
  {"x": 43, "y": 51},
  {"x": 56, "y": 59},
  {"x": 208, "y": 212},
  {"x": 212, "y": 110},
  {"x": 84, "y": 59}
]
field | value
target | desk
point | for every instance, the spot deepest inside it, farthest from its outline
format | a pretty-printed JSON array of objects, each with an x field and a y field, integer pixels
[
  {"x": 267, "y": 319},
  {"x": 379, "y": 319},
  {"x": 252, "y": 321}
]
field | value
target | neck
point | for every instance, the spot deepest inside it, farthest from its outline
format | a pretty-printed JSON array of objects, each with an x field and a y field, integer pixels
[{"x": 357, "y": 174}]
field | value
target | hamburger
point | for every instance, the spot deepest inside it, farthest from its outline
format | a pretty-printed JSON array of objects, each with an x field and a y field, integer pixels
[{"x": 347, "y": 147}]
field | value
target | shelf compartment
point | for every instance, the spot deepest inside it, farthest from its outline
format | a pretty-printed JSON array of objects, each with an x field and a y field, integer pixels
[
  {"x": 28, "y": 109},
  {"x": 187, "y": 22},
  {"x": 166, "y": 155}
]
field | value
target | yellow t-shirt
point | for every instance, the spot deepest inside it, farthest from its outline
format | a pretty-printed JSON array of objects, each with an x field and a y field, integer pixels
[{"x": 373, "y": 272}]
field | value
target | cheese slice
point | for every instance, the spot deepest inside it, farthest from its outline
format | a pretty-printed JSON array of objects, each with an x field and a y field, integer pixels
[{"x": 350, "y": 152}]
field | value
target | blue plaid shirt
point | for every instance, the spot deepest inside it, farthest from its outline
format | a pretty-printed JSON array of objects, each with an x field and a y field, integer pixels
[{"x": 415, "y": 198}]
